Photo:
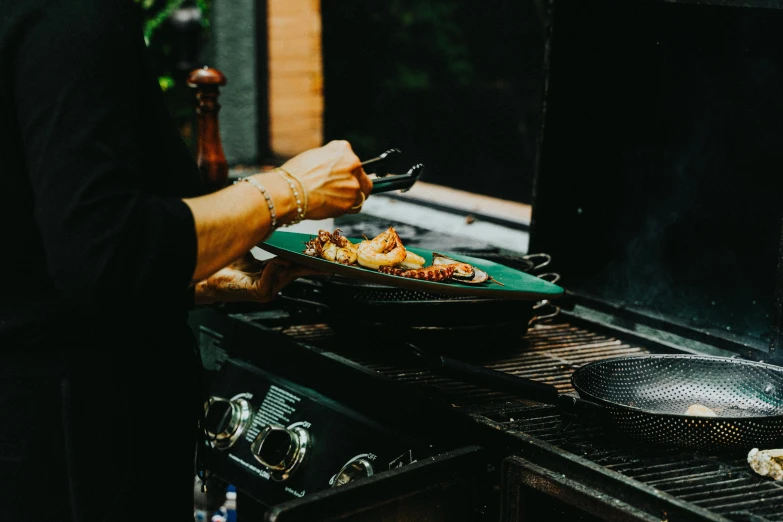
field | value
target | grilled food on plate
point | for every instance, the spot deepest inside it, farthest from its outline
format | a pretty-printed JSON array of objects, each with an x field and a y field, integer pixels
[{"x": 386, "y": 253}]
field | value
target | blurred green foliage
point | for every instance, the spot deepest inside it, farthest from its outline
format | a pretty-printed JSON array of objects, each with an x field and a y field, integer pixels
[
  {"x": 431, "y": 29},
  {"x": 174, "y": 51},
  {"x": 156, "y": 12},
  {"x": 407, "y": 48},
  {"x": 456, "y": 85}
]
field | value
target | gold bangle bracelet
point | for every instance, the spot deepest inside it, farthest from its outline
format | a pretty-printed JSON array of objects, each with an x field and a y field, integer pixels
[
  {"x": 304, "y": 191},
  {"x": 269, "y": 202},
  {"x": 299, "y": 211}
]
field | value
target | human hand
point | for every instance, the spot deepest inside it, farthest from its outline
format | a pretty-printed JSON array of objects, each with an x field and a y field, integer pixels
[
  {"x": 333, "y": 179},
  {"x": 250, "y": 280}
]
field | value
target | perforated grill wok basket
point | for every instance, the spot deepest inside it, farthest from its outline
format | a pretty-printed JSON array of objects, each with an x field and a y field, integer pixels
[{"x": 647, "y": 397}]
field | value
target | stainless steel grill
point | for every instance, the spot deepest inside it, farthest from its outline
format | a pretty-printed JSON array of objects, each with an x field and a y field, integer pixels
[{"x": 719, "y": 482}]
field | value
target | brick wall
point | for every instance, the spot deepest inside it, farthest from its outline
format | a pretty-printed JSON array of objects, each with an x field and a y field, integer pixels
[{"x": 295, "y": 76}]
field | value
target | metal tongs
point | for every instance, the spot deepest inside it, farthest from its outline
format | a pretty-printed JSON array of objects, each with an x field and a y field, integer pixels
[{"x": 386, "y": 182}]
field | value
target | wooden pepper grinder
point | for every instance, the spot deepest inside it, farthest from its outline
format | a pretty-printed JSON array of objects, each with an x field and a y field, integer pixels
[{"x": 211, "y": 158}]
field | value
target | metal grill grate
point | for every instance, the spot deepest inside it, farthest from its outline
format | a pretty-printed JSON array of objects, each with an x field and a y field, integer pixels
[
  {"x": 388, "y": 361},
  {"x": 721, "y": 483},
  {"x": 549, "y": 353},
  {"x": 724, "y": 484},
  {"x": 309, "y": 332}
]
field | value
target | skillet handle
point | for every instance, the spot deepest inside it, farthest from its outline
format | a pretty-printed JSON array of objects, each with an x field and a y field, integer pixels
[
  {"x": 545, "y": 260},
  {"x": 513, "y": 384},
  {"x": 579, "y": 406},
  {"x": 554, "y": 310},
  {"x": 300, "y": 301},
  {"x": 496, "y": 380}
]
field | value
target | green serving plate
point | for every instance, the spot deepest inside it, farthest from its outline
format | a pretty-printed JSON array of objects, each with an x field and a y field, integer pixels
[{"x": 515, "y": 284}]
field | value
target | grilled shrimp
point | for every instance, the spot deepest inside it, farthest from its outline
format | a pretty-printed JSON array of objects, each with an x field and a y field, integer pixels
[
  {"x": 385, "y": 249},
  {"x": 412, "y": 261}
]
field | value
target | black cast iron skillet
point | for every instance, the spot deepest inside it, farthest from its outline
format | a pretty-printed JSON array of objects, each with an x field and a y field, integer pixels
[
  {"x": 378, "y": 305},
  {"x": 646, "y": 397},
  {"x": 355, "y": 303}
]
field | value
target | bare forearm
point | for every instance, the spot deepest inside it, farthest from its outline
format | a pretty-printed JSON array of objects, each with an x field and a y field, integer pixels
[
  {"x": 231, "y": 221},
  {"x": 235, "y": 219}
]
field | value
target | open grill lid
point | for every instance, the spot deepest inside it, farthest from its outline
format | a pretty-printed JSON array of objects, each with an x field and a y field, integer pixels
[{"x": 657, "y": 188}]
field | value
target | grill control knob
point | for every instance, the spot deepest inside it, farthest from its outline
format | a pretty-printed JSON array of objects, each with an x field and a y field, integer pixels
[
  {"x": 354, "y": 469},
  {"x": 225, "y": 420},
  {"x": 281, "y": 450}
]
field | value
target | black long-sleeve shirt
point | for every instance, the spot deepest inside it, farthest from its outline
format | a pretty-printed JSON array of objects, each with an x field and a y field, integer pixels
[{"x": 91, "y": 172}]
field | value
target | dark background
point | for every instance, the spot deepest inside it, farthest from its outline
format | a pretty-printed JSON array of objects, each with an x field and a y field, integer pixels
[
  {"x": 454, "y": 86},
  {"x": 661, "y": 183}
]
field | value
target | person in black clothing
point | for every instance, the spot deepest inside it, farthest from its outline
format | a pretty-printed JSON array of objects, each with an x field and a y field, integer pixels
[{"x": 107, "y": 242}]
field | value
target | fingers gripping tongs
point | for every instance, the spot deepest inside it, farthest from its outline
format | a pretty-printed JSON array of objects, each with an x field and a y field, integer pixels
[{"x": 386, "y": 182}]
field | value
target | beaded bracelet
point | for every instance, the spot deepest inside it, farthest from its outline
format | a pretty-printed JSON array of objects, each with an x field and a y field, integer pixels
[
  {"x": 303, "y": 209},
  {"x": 265, "y": 192},
  {"x": 299, "y": 212}
]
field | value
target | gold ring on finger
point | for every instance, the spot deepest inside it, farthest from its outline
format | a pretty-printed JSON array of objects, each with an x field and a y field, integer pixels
[{"x": 357, "y": 207}]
